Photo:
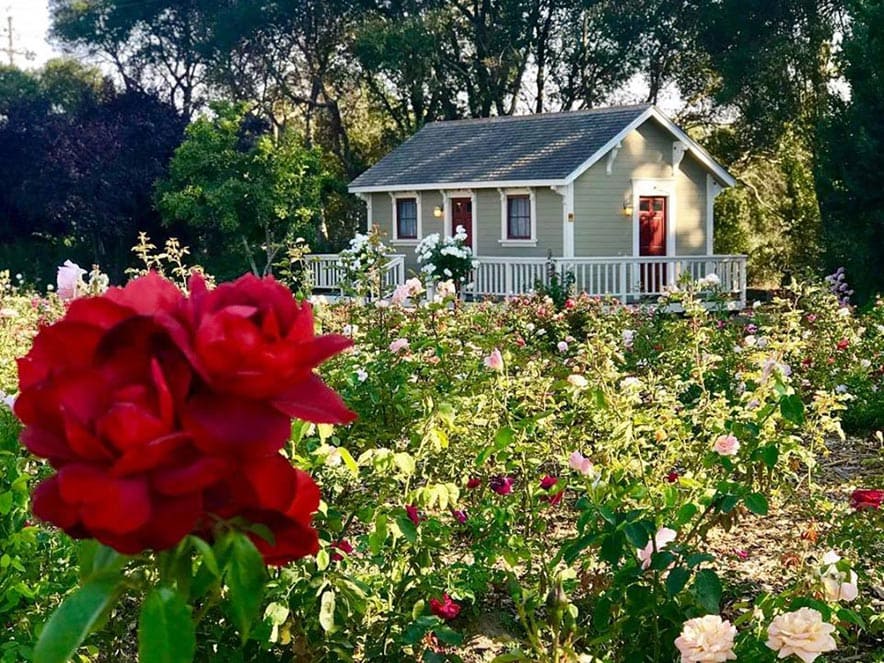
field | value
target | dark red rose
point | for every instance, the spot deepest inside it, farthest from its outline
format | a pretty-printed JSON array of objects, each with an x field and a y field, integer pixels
[
  {"x": 866, "y": 498},
  {"x": 548, "y": 482},
  {"x": 459, "y": 515},
  {"x": 672, "y": 477},
  {"x": 146, "y": 448},
  {"x": 445, "y": 609},
  {"x": 341, "y": 546},
  {"x": 413, "y": 514},
  {"x": 553, "y": 499},
  {"x": 501, "y": 485},
  {"x": 250, "y": 339},
  {"x": 474, "y": 482}
]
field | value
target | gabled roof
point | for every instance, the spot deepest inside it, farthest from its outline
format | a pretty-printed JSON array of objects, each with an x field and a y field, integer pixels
[{"x": 549, "y": 149}]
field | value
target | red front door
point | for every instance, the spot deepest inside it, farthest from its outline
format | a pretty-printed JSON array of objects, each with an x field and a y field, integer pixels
[
  {"x": 652, "y": 219},
  {"x": 462, "y": 215}
]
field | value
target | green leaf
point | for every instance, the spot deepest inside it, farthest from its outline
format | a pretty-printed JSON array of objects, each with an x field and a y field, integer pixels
[
  {"x": 165, "y": 630},
  {"x": 676, "y": 580},
  {"x": 74, "y": 619},
  {"x": 208, "y": 555},
  {"x": 637, "y": 534},
  {"x": 245, "y": 577},
  {"x": 707, "y": 588},
  {"x": 685, "y": 514},
  {"x": 756, "y": 503},
  {"x": 792, "y": 409},
  {"x": 349, "y": 461},
  {"x": 728, "y": 503},
  {"x": 502, "y": 440},
  {"x": 327, "y": 610},
  {"x": 5, "y": 503},
  {"x": 769, "y": 454},
  {"x": 378, "y": 535},
  {"x": 449, "y": 636},
  {"x": 408, "y": 528}
]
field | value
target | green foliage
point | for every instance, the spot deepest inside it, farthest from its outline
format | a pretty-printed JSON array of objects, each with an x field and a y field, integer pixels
[
  {"x": 232, "y": 179},
  {"x": 851, "y": 140}
]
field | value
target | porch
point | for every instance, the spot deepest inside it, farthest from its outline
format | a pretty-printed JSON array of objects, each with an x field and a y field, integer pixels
[{"x": 627, "y": 279}]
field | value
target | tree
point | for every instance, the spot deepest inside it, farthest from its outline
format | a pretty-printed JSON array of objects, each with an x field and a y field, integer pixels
[
  {"x": 78, "y": 160},
  {"x": 232, "y": 180},
  {"x": 850, "y": 149}
]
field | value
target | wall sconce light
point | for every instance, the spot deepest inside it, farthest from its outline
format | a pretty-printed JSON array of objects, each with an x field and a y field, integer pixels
[
  {"x": 627, "y": 208},
  {"x": 437, "y": 212}
]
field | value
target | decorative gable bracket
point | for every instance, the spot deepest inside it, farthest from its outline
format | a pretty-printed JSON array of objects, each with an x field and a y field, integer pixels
[
  {"x": 612, "y": 157},
  {"x": 678, "y": 152}
]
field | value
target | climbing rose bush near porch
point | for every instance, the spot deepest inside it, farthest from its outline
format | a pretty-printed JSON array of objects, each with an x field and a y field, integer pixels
[{"x": 164, "y": 416}]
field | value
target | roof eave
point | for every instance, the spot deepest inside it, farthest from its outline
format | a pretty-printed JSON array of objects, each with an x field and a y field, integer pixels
[
  {"x": 456, "y": 186},
  {"x": 653, "y": 112}
]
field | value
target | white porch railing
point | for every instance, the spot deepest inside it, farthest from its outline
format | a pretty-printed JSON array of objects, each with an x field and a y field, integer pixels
[
  {"x": 328, "y": 274},
  {"x": 625, "y": 278}
]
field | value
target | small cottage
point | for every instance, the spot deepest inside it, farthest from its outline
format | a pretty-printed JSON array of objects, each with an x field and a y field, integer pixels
[{"x": 620, "y": 198}]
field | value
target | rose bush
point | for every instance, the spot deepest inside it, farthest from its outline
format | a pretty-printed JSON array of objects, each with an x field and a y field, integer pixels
[{"x": 553, "y": 470}]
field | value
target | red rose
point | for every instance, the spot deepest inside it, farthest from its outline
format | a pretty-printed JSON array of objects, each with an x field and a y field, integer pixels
[
  {"x": 343, "y": 546},
  {"x": 146, "y": 445},
  {"x": 548, "y": 482},
  {"x": 843, "y": 344},
  {"x": 250, "y": 339},
  {"x": 864, "y": 498},
  {"x": 474, "y": 482},
  {"x": 446, "y": 608},
  {"x": 413, "y": 514},
  {"x": 672, "y": 476},
  {"x": 501, "y": 485}
]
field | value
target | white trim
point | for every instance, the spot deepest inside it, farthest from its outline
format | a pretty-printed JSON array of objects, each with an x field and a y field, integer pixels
[
  {"x": 567, "y": 194},
  {"x": 417, "y": 197},
  {"x": 434, "y": 186},
  {"x": 612, "y": 157},
  {"x": 366, "y": 198},
  {"x": 653, "y": 112},
  {"x": 504, "y": 193},
  {"x": 655, "y": 187},
  {"x": 713, "y": 188},
  {"x": 449, "y": 223}
]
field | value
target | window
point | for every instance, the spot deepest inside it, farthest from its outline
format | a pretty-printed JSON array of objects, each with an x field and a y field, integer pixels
[
  {"x": 518, "y": 217},
  {"x": 406, "y": 218}
]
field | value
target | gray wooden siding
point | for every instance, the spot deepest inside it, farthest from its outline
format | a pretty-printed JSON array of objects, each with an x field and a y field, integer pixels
[{"x": 601, "y": 229}]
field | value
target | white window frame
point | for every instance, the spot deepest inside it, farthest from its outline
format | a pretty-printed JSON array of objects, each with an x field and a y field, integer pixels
[
  {"x": 394, "y": 197},
  {"x": 504, "y": 207}
]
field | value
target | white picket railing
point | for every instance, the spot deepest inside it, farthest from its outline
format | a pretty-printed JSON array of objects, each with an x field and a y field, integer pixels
[
  {"x": 626, "y": 278},
  {"x": 328, "y": 273}
]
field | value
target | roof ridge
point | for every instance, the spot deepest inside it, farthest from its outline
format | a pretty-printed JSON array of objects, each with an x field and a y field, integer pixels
[{"x": 538, "y": 116}]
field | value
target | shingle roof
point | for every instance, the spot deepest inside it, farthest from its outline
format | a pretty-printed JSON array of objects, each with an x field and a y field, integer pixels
[{"x": 546, "y": 146}]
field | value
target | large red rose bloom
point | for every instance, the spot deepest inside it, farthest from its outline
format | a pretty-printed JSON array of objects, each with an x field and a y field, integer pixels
[{"x": 150, "y": 432}]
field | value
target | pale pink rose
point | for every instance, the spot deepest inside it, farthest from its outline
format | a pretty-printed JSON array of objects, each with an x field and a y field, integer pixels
[
  {"x": 494, "y": 361},
  {"x": 707, "y": 639},
  {"x": 414, "y": 287},
  {"x": 398, "y": 345},
  {"x": 576, "y": 380},
  {"x": 69, "y": 279},
  {"x": 837, "y": 585},
  {"x": 445, "y": 289},
  {"x": 400, "y": 294},
  {"x": 577, "y": 461},
  {"x": 662, "y": 538},
  {"x": 726, "y": 445},
  {"x": 802, "y": 633}
]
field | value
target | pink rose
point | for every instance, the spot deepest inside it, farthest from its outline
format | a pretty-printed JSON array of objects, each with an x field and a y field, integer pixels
[
  {"x": 579, "y": 462},
  {"x": 726, "y": 445},
  {"x": 494, "y": 361},
  {"x": 398, "y": 345},
  {"x": 662, "y": 538},
  {"x": 69, "y": 279}
]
